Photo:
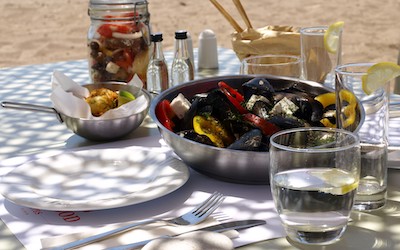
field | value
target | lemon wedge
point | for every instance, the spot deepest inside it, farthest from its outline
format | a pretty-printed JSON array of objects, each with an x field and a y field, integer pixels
[
  {"x": 326, "y": 99},
  {"x": 378, "y": 75},
  {"x": 332, "y": 35},
  {"x": 125, "y": 97}
]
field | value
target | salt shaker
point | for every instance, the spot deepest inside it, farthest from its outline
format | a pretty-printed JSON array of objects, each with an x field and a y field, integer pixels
[{"x": 208, "y": 53}]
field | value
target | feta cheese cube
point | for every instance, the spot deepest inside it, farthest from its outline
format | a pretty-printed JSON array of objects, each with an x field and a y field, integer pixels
[
  {"x": 180, "y": 105},
  {"x": 284, "y": 107}
]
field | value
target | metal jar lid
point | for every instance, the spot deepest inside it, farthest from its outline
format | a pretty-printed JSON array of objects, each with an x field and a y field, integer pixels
[{"x": 99, "y": 9}]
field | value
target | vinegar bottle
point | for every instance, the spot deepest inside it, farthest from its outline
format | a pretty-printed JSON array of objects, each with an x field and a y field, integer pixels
[
  {"x": 157, "y": 70},
  {"x": 182, "y": 69}
]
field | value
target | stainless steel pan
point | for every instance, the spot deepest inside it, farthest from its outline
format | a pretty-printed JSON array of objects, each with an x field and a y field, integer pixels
[{"x": 95, "y": 130}]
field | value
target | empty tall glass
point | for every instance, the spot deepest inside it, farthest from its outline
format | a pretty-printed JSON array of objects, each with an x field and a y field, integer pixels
[
  {"x": 314, "y": 174},
  {"x": 278, "y": 65},
  {"x": 373, "y": 133},
  {"x": 318, "y": 62}
]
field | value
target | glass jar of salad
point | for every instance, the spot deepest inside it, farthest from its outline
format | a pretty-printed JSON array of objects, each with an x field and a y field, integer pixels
[{"x": 118, "y": 40}]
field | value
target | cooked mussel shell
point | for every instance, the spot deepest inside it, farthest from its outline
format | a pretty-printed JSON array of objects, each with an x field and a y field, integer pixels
[
  {"x": 187, "y": 123},
  {"x": 259, "y": 87},
  {"x": 261, "y": 109},
  {"x": 191, "y": 135},
  {"x": 237, "y": 127},
  {"x": 213, "y": 104},
  {"x": 221, "y": 108},
  {"x": 287, "y": 122},
  {"x": 309, "y": 109},
  {"x": 250, "y": 141}
]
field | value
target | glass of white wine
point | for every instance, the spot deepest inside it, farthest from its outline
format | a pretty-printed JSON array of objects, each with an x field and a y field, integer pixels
[{"x": 314, "y": 174}]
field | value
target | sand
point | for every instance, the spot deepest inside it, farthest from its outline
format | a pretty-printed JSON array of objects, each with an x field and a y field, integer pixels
[{"x": 42, "y": 31}]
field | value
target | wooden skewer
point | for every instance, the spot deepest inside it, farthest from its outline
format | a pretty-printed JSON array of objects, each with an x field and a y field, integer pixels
[
  {"x": 242, "y": 12},
  {"x": 228, "y": 17}
]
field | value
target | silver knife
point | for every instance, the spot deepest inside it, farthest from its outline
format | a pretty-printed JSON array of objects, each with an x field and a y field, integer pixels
[{"x": 233, "y": 225}]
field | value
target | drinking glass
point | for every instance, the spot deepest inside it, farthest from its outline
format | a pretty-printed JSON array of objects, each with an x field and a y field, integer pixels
[
  {"x": 318, "y": 64},
  {"x": 314, "y": 175},
  {"x": 373, "y": 133},
  {"x": 278, "y": 65}
]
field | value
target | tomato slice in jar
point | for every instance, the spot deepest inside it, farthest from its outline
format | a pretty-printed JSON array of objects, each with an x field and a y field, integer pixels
[
  {"x": 165, "y": 114},
  {"x": 124, "y": 60},
  {"x": 266, "y": 127},
  {"x": 105, "y": 30}
]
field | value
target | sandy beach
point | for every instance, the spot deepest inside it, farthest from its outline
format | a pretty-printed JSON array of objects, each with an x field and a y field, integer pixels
[{"x": 41, "y": 31}]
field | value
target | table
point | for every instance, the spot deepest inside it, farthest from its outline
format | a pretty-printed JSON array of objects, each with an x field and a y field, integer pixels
[{"x": 29, "y": 133}]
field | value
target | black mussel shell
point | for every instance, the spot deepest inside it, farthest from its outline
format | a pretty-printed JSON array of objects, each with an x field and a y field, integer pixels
[
  {"x": 287, "y": 122},
  {"x": 258, "y": 86},
  {"x": 250, "y": 141},
  {"x": 309, "y": 109},
  {"x": 187, "y": 123},
  {"x": 261, "y": 109},
  {"x": 191, "y": 135}
]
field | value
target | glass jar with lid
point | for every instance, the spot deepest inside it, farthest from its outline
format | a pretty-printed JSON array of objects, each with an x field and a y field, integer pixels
[{"x": 118, "y": 40}]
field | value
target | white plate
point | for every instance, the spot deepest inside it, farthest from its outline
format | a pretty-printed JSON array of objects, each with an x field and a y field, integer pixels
[{"x": 94, "y": 179}]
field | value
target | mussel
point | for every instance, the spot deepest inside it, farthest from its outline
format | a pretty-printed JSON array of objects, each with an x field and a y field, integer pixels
[
  {"x": 259, "y": 87},
  {"x": 308, "y": 108},
  {"x": 191, "y": 135},
  {"x": 251, "y": 141}
]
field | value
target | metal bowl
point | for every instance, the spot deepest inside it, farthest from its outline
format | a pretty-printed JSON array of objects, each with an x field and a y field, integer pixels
[
  {"x": 95, "y": 129},
  {"x": 236, "y": 166},
  {"x": 107, "y": 129}
]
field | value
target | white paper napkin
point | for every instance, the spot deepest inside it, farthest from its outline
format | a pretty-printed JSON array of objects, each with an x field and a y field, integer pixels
[
  {"x": 137, "y": 234},
  {"x": 198, "y": 240},
  {"x": 68, "y": 98}
]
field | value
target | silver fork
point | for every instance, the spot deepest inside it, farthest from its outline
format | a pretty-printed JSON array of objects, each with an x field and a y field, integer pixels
[{"x": 195, "y": 216}]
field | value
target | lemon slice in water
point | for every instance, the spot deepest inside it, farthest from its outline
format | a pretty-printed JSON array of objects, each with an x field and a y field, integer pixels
[
  {"x": 378, "y": 75},
  {"x": 332, "y": 35},
  {"x": 339, "y": 181}
]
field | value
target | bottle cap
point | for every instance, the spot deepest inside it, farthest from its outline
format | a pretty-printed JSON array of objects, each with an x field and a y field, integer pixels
[
  {"x": 181, "y": 34},
  {"x": 156, "y": 37}
]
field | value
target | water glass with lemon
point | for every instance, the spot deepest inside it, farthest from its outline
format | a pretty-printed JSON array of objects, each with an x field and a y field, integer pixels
[
  {"x": 314, "y": 174},
  {"x": 321, "y": 52},
  {"x": 370, "y": 84}
]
